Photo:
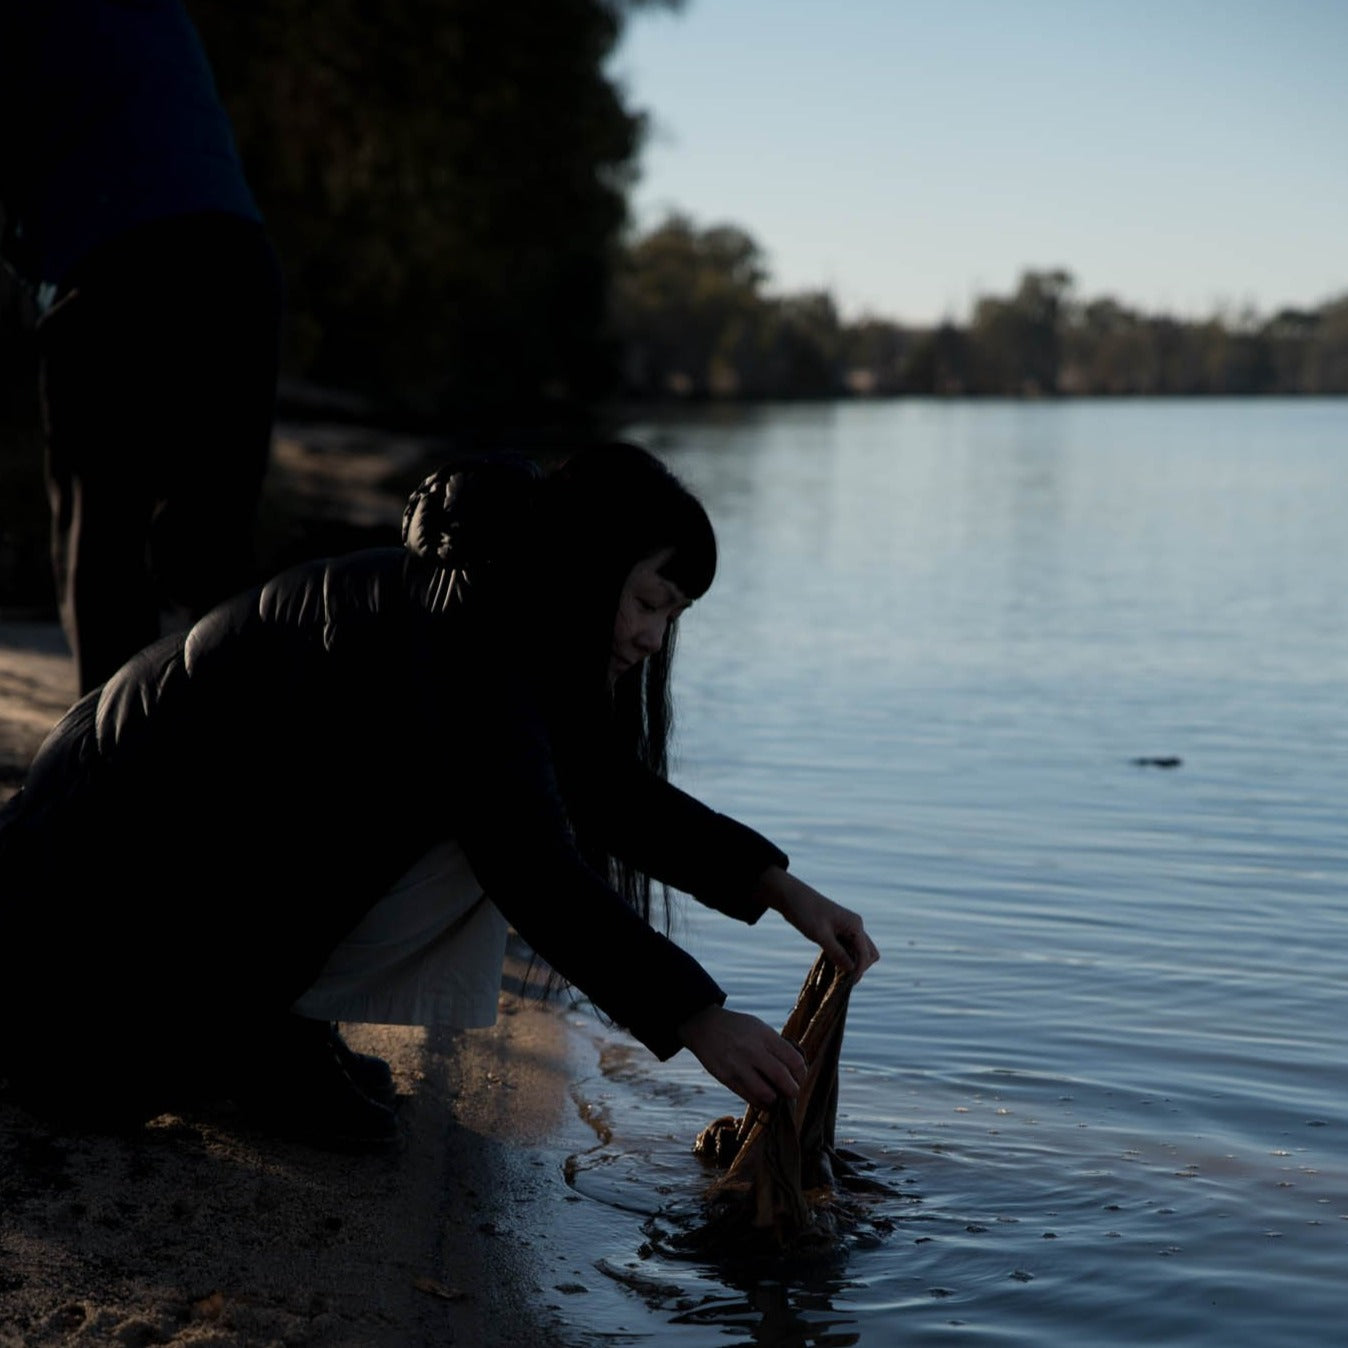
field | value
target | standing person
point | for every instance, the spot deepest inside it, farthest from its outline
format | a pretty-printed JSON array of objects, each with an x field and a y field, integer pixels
[
  {"x": 127, "y": 211},
  {"x": 325, "y": 802}
]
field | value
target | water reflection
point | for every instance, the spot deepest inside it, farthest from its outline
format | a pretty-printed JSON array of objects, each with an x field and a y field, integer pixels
[
  {"x": 773, "y": 1304},
  {"x": 778, "y": 1316},
  {"x": 644, "y": 1192},
  {"x": 1105, "y": 1039}
]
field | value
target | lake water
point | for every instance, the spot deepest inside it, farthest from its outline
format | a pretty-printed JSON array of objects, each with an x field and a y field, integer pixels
[{"x": 1102, "y": 1058}]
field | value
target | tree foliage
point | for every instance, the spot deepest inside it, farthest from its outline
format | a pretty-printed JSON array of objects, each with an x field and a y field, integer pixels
[
  {"x": 694, "y": 318},
  {"x": 446, "y": 183}
]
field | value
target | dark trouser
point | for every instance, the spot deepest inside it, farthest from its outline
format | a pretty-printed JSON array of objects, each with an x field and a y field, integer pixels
[{"x": 159, "y": 368}]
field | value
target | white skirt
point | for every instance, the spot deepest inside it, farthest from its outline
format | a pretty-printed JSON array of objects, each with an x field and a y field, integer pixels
[{"x": 430, "y": 952}]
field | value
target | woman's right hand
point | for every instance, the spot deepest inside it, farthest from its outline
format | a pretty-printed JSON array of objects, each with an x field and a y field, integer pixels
[{"x": 745, "y": 1054}]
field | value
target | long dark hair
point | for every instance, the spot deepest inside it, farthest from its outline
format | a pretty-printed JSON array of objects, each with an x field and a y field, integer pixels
[
  {"x": 600, "y": 512},
  {"x": 498, "y": 530}
]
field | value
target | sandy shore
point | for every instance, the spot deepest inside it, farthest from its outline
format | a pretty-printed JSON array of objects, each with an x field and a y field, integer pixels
[{"x": 196, "y": 1231}]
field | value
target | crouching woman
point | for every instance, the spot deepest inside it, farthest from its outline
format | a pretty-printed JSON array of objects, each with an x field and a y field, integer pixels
[{"x": 326, "y": 801}]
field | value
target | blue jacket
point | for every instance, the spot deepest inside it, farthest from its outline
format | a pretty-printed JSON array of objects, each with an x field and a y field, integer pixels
[{"x": 109, "y": 119}]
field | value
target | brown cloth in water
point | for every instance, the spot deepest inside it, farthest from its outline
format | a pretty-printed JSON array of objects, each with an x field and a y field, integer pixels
[{"x": 782, "y": 1168}]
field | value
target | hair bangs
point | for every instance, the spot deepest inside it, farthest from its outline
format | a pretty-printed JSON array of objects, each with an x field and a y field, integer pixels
[{"x": 693, "y": 566}]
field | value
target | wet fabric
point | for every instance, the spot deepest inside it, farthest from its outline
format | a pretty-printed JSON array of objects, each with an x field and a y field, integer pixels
[{"x": 784, "y": 1180}]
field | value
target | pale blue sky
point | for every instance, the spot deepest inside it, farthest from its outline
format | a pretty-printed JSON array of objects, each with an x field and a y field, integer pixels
[{"x": 910, "y": 155}]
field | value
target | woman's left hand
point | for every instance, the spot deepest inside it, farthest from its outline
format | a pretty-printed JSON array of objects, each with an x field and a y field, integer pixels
[{"x": 837, "y": 931}]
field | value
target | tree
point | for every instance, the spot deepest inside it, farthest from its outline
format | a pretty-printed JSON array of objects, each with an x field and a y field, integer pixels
[
  {"x": 446, "y": 182},
  {"x": 876, "y": 355},
  {"x": 939, "y": 362},
  {"x": 683, "y": 297},
  {"x": 796, "y": 349},
  {"x": 1327, "y": 364},
  {"x": 1017, "y": 343}
]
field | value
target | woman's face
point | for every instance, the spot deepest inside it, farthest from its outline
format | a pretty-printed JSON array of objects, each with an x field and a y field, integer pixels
[{"x": 646, "y": 607}]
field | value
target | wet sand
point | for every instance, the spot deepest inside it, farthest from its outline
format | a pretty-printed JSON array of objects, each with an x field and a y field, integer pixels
[{"x": 197, "y": 1231}]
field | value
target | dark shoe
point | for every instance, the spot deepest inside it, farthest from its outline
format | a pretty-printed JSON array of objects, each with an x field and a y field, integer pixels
[
  {"x": 373, "y": 1075},
  {"x": 296, "y": 1086}
]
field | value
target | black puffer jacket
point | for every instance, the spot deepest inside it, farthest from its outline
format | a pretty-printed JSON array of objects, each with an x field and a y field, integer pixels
[{"x": 194, "y": 837}]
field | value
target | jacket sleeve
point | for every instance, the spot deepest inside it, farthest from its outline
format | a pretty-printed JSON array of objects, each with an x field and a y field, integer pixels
[
  {"x": 517, "y": 836},
  {"x": 675, "y": 838}
]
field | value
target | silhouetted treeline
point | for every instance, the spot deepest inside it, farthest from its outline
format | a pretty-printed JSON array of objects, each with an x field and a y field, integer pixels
[
  {"x": 446, "y": 181},
  {"x": 694, "y": 320}
]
